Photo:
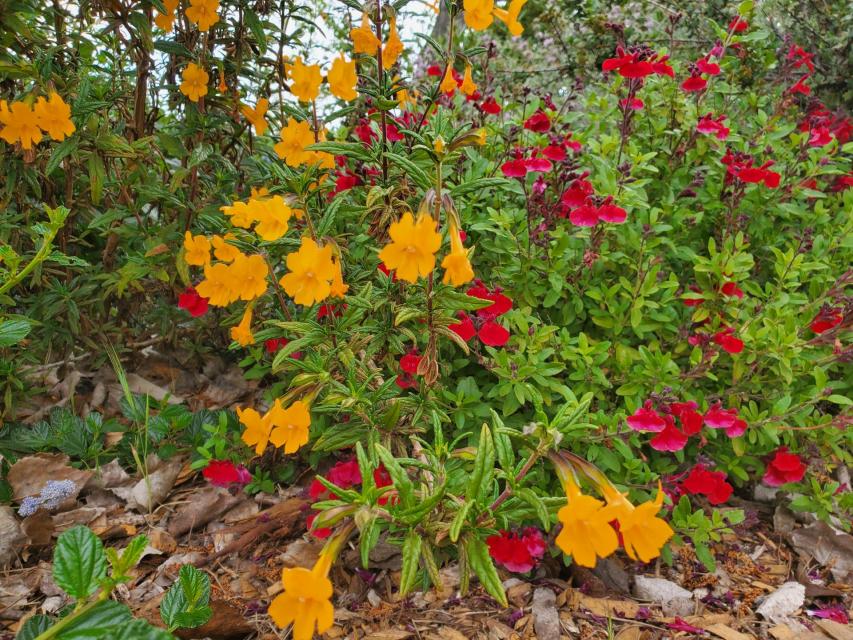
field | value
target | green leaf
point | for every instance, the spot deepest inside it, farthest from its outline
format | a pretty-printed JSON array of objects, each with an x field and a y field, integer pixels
[
  {"x": 481, "y": 183},
  {"x": 459, "y": 520},
  {"x": 186, "y": 602},
  {"x": 411, "y": 561},
  {"x": 141, "y": 630},
  {"x": 79, "y": 562},
  {"x": 129, "y": 557},
  {"x": 484, "y": 568},
  {"x": 705, "y": 556},
  {"x": 484, "y": 466},
  {"x": 101, "y": 621},
  {"x": 399, "y": 477},
  {"x": 33, "y": 627},
  {"x": 13, "y": 331},
  {"x": 411, "y": 169}
]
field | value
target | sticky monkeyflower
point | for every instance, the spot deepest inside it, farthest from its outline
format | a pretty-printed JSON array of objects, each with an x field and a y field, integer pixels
[
  {"x": 363, "y": 38},
  {"x": 203, "y": 13},
  {"x": 306, "y": 600},
  {"x": 468, "y": 87},
  {"x": 393, "y": 46},
  {"x": 306, "y": 79},
  {"x": 219, "y": 286},
  {"x": 240, "y": 213},
  {"x": 224, "y": 251},
  {"x": 643, "y": 533},
  {"x": 411, "y": 251},
  {"x": 456, "y": 265},
  {"x": 166, "y": 20},
  {"x": 20, "y": 124},
  {"x": 242, "y": 333},
  {"x": 257, "y": 115},
  {"x": 250, "y": 273},
  {"x": 343, "y": 79},
  {"x": 405, "y": 99},
  {"x": 257, "y": 429},
  {"x": 338, "y": 287},
  {"x": 509, "y": 17},
  {"x": 289, "y": 426},
  {"x": 438, "y": 145},
  {"x": 310, "y": 273},
  {"x": 448, "y": 83},
  {"x": 586, "y": 534},
  {"x": 478, "y": 13},
  {"x": 54, "y": 116},
  {"x": 295, "y": 136},
  {"x": 272, "y": 215},
  {"x": 196, "y": 250},
  {"x": 194, "y": 84}
]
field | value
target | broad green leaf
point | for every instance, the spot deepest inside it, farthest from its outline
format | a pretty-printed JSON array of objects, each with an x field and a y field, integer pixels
[
  {"x": 79, "y": 562},
  {"x": 186, "y": 602}
]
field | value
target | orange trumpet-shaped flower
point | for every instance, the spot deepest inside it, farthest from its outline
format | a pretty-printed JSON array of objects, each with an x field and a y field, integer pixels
[
  {"x": 586, "y": 534},
  {"x": 306, "y": 601},
  {"x": 643, "y": 533},
  {"x": 203, "y": 13},
  {"x": 412, "y": 248},
  {"x": 257, "y": 115},
  {"x": 306, "y": 79},
  {"x": 343, "y": 79},
  {"x": 194, "y": 82},
  {"x": 196, "y": 250},
  {"x": 448, "y": 84},
  {"x": 20, "y": 124},
  {"x": 54, "y": 116},
  {"x": 509, "y": 16},
  {"x": 456, "y": 265},
  {"x": 257, "y": 429},
  {"x": 363, "y": 38},
  {"x": 393, "y": 47},
  {"x": 478, "y": 13},
  {"x": 242, "y": 333},
  {"x": 289, "y": 426},
  {"x": 311, "y": 272},
  {"x": 468, "y": 87}
]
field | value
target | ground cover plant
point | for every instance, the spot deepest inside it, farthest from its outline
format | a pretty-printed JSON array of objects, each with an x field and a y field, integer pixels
[{"x": 506, "y": 322}]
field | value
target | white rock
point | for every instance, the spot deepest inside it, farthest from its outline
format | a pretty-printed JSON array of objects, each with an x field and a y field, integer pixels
[{"x": 779, "y": 605}]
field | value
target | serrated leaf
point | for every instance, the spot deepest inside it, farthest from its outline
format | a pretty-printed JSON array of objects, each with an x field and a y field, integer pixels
[
  {"x": 485, "y": 570},
  {"x": 33, "y": 628},
  {"x": 186, "y": 602},
  {"x": 104, "y": 620},
  {"x": 459, "y": 520},
  {"x": 411, "y": 561},
  {"x": 79, "y": 562},
  {"x": 13, "y": 331}
]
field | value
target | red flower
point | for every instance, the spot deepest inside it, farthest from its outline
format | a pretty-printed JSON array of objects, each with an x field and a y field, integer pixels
[
  {"x": 679, "y": 624},
  {"x": 826, "y": 319},
  {"x": 707, "y": 67},
  {"x": 274, "y": 344},
  {"x": 783, "y": 468},
  {"x": 344, "y": 474},
  {"x": 224, "y": 473},
  {"x": 611, "y": 213},
  {"x": 515, "y": 168},
  {"x": 712, "y": 484},
  {"x": 493, "y": 334},
  {"x": 554, "y": 152},
  {"x": 465, "y": 327},
  {"x": 190, "y": 301},
  {"x": 345, "y": 181},
  {"x": 584, "y": 216},
  {"x": 820, "y": 137},
  {"x": 518, "y": 553},
  {"x": 694, "y": 83},
  {"x": 670, "y": 439},
  {"x": 365, "y": 132},
  {"x": 634, "y": 104},
  {"x": 732, "y": 290},
  {"x": 800, "y": 87},
  {"x": 646, "y": 419},
  {"x": 800, "y": 57},
  {"x": 738, "y": 428},
  {"x": 738, "y": 25},
  {"x": 490, "y": 105},
  {"x": 718, "y": 418},
  {"x": 712, "y": 126},
  {"x": 691, "y": 420},
  {"x": 387, "y": 271},
  {"x": 322, "y": 532},
  {"x": 409, "y": 362},
  {"x": 577, "y": 193},
  {"x": 542, "y": 165},
  {"x": 500, "y": 303},
  {"x": 727, "y": 340},
  {"x": 693, "y": 302},
  {"x": 330, "y": 311},
  {"x": 538, "y": 122},
  {"x": 434, "y": 70}
]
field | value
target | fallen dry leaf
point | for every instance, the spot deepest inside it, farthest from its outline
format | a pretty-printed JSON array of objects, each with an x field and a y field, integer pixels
[
  {"x": 726, "y": 632},
  {"x": 604, "y": 607},
  {"x": 29, "y": 475},
  {"x": 830, "y": 547}
]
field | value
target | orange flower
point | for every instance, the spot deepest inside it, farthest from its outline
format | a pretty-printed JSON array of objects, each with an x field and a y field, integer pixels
[
  {"x": 457, "y": 267},
  {"x": 306, "y": 601},
  {"x": 468, "y": 87},
  {"x": 448, "y": 84},
  {"x": 338, "y": 288},
  {"x": 363, "y": 38},
  {"x": 412, "y": 248},
  {"x": 257, "y": 429},
  {"x": 250, "y": 272},
  {"x": 256, "y": 115},
  {"x": 393, "y": 47},
  {"x": 166, "y": 20},
  {"x": 290, "y": 426},
  {"x": 509, "y": 16},
  {"x": 194, "y": 84},
  {"x": 478, "y": 13},
  {"x": 54, "y": 116},
  {"x": 306, "y": 79},
  {"x": 643, "y": 533},
  {"x": 224, "y": 251},
  {"x": 196, "y": 250},
  {"x": 219, "y": 286},
  {"x": 273, "y": 214},
  {"x": 242, "y": 333},
  {"x": 310, "y": 273},
  {"x": 241, "y": 214},
  {"x": 295, "y": 136},
  {"x": 203, "y": 13},
  {"x": 343, "y": 79},
  {"x": 20, "y": 124}
]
